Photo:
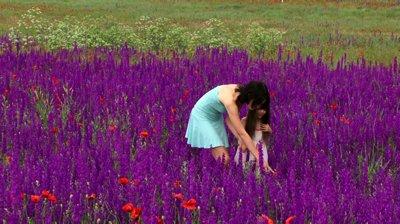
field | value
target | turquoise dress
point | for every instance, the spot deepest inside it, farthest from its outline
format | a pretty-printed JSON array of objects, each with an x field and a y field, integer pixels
[{"x": 206, "y": 127}]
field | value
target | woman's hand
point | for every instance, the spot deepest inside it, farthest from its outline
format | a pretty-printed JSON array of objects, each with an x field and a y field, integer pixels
[
  {"x": 241, "y": 144},
  {"x": 265, "y": 128}
]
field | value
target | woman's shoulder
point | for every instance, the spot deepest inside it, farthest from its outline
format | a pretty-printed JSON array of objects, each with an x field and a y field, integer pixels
[
  {"x": 226, "y": 93},
  {"x": 228, "y": 86}
]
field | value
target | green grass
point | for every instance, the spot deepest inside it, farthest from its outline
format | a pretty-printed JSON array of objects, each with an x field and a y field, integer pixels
[{"x": 371, "y": 27}]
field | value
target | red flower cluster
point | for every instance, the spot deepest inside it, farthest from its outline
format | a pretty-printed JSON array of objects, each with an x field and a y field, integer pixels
[
  {"x": 272, "y": 94},
  {"x": 112, "y": 127},
  {"x": 55, "y": 130},
  {"x": 178, "y": 196},
  {"x": 267, "y": 220},
  {"x": 344, "y": 119},
  {"x": 6, "y": 92},
  {"x": 49, "y": 196},
  {"x": 102, "y": 100},
  {"x": 186, "y": 93},
  {"x": 177, "y": 184},
  {"x": 134, "y": 211},
  {"x": 187, "y": 204},
  {"x": 159, "y": 220},
  {"x": 334, "y": 106},
  {"x": 35, "y": 198},
  {"x": 55, "y": 80},
  {"x": 190, "y": 204},
  {"x": 46, "y": 194},
  {"x": 124, "y": 181},
  {"x": 91, "y": 196},
  {"x": 144, "y": 134}
]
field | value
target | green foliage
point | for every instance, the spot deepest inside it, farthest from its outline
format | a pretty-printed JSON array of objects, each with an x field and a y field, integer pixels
[
  {"x": 154, "y": 34},
  {"x": 260, "y": 39}
]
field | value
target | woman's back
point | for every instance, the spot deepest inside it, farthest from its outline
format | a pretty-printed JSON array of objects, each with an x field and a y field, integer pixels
[{"x": 209, "y": 106}]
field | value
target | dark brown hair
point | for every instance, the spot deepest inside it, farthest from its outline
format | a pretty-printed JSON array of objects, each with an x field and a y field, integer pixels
[
  {"x": 251, "y": 121},
  {"x": 255, "y": 91}
]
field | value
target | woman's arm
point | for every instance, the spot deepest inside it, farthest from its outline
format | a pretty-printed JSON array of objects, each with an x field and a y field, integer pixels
[
  {"x": 233, "y": 114},
  {"x": 231, "y": 128}
]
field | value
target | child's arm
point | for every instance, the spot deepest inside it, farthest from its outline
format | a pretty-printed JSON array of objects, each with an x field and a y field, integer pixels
[
  {"x": 266, "y": 133},
  {"x": 266, "y": 136}
]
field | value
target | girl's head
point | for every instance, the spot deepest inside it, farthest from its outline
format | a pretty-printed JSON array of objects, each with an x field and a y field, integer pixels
[
  {"x": 255, "y": 94},
  {"x": 262, "y": 115}
]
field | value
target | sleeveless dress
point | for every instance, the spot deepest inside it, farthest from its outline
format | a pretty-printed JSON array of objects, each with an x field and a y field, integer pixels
[
  {"x": 247, "y": 156},
  {"x": 206, "y": 127}
]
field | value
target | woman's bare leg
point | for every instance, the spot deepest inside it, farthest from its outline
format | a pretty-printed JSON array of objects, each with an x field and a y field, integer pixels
[{"x": 221, "y": 153}]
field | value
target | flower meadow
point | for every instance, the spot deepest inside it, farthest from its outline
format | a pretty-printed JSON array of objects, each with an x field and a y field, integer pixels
[{"x": 98, "y": 137}]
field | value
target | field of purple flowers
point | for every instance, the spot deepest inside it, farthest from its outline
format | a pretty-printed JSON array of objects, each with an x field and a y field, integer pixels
[{"x": 99, "y": 137}]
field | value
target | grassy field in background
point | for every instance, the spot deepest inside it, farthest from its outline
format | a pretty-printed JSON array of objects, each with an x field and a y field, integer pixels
[{"x": 358, "y": 28}]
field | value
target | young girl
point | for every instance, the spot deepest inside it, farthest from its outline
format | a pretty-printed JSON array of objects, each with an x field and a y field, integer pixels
[
  {"x": 206, "y": 124},
  {"x": 256, "y": 125}
]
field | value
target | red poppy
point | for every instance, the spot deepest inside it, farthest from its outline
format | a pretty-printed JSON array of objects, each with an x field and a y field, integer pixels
[
  {"x": 102, "y": 100},
  {"x": 33, "y": 88},
  {"x": 190, "y": 204},
  {"x": 344, "y": 119},
  {"x": 35, "y": 198},
  {"x": 55, "y": 130},
  {"x": 136, "y": 212},
  {"x": 173, "y": 110},
  {"x": 128, "y": 207},
  {"x": 290, "y": 219},
  {"x": 91, "y": 196},
  {"x": 178, "y": 196},
  {"x": 55, "y": 80},
  {"x": 52, "y": 198},
  {"x": 144, "y": 134},
  {"x": 22, "y": 195},
  {"x": 177, "y": 184},
  {"x": 333, "y": 106},
  {"x": 46, "y": 194},
  {"x": 272, "y": 94},
  {"x": 317, "y": 122},
  {"x": 266, "y": 219},
  {"x": 185, "y": 94},
  {"x": 123, "y": 180},
  {"x": 159, "y": 220},
  {"x": 6, "y": 92},
  {"x": 314, "y": 113},
  {"x": 217, "y": 190},
  {"x": 14, "y": 76},
  {"x": 112, "y": 127}
]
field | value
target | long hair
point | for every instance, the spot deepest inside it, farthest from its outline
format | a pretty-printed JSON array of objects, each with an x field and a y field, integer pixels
[
  {"x": 251, "y": 121},
  {"x": 255, "y": 91}
]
